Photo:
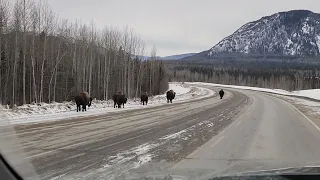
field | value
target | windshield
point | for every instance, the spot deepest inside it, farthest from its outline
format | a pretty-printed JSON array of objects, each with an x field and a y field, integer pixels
[{"x": 163, "y": 89}]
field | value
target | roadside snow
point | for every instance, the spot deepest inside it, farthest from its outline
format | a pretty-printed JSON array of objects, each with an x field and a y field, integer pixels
[
  {"x": 278, "y": 91},
  {"x": 179, "y": 88},
  {"x": 309, "y": 107},
  {"x": 311, "y": 93},
  {"x": 44, "y": 112}
]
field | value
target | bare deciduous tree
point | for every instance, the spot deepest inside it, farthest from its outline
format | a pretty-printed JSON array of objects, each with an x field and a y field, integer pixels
[{"x": 44, "y": 59}]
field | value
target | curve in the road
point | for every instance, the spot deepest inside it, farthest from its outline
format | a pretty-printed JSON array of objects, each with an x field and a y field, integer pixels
[
  {"x": 170, "y": 132},
  {"x": 271, "y": 134}
]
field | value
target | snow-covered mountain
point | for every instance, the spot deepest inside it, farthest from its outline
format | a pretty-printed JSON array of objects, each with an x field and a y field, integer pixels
[
  {"x": 294, "y": 32},
  {"x": 177, "y": 57},
  {"x": 172, "y": 57},
  {"x": 149, "y": 57}
]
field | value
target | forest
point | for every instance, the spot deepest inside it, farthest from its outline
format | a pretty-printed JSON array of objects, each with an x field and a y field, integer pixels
[
  {"x": 276, "y": 74},
  {"x": 45, "y": 58}
]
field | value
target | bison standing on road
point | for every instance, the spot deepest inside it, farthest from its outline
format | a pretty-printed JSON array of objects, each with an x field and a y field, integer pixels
[
  {"x": 170, "y": 95},
  {"x": 122, "y": 100},
  {"x": 115, "y": 99},
  {"x": 144, "y": 98},
  {"x": 83, "y": 100},
  {"x": 119, "y": 99},
  {"x": 221, "y": 93}
]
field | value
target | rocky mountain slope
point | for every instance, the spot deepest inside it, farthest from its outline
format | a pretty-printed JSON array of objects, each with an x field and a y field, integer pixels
[{"x": 294, "y": 32}]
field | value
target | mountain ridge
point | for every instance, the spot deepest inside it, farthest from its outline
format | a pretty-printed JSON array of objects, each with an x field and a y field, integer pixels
[
  {"x": 287, "y": 33},
  {"x": 295, "y": 32},
  {"x": 171, "y": 57},
  {"x": 178, "y": 56}
]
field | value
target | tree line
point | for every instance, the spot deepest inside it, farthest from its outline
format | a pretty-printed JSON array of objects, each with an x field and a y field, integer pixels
[
  {"x": 44, "y": 58},
  {"x": 287, "y": 75}
]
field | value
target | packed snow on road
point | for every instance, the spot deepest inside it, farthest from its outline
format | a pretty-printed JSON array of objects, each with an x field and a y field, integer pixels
[{"x": 42, "y": 112}]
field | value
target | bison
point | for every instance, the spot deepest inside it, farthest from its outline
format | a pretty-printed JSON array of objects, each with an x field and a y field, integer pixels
[
  {"x": 122, "y": 100},
  {"x": 221, "y": 93},
  {"x": 115, "y": 99},
  {"x": 83, "y": 100},
  {"x": 170, "y": 95},
  {"x": 144, "y": 98},
  {"x": 119, "y": 99}
]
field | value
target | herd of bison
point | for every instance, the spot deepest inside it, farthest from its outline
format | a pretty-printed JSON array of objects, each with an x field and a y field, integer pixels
[{"x": 83, "y": 99}]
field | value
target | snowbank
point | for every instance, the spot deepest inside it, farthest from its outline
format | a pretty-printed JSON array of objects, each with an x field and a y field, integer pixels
[
  {"x": 310, "y": 93},
  {"x": 33, "y": 113}
]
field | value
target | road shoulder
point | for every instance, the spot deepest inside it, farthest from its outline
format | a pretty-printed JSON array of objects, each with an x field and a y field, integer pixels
[{"x": 311, "y": 109}]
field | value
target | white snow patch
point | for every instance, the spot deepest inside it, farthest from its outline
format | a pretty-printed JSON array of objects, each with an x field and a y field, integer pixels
[
  {"x": 142, "y": 149},
  {"x": 210, "y": 125},
  {"x": 312, "y": 106},
  {"x": 289, "y": 42},
  {"x": 142, "y": 154},
  {"x": 139, "y": 152},
  {"x": 58, "y": 177},
  {"x": 175, "y": 135},
  {"x": 246, "y": 49},
  {"x": 311, "y": 93},
  {"x": 205, "y": 122},
  {"x": 142, "y": 160},
  {"x": 290, "y": 47},
  {"x": 179, "y": 88},
  {"x": 106, "y": 166},
  {"x": 306, "y": 28},
  {"x": 318, "y": 42}
]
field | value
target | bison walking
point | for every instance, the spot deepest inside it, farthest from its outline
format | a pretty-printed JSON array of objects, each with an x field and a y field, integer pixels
[
  {"x": 221, "y": 93},
  {"x": 83, "y": 100},
  {"x": 144, "y": 98},
  {"x": 115, "y": 100},
  {"x": 119, "y": 99},
  {"x": 170, "y": 96}
]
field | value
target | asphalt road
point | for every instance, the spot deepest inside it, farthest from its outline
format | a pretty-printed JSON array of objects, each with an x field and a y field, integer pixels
[
  {"x": 271, "y": 134},
  {"x": 244, "y": 131}
]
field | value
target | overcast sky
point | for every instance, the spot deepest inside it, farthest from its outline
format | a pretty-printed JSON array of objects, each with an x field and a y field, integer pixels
[{"x": 177, "y": 26}]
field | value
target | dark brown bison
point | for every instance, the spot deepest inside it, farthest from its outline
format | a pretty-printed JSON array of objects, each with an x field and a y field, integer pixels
[
  {"x": 115, "y": 99},
  {"x": 83, "y": 100},
  {"x": 170, "y": 96},
  {"x": 221, "y": 93},
  {"x": 144, "y": 98},
  {"x": 119, "y": 99}
]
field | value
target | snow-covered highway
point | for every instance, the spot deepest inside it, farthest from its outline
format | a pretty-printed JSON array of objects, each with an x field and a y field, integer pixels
[{"x": 246, "y": 130}]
